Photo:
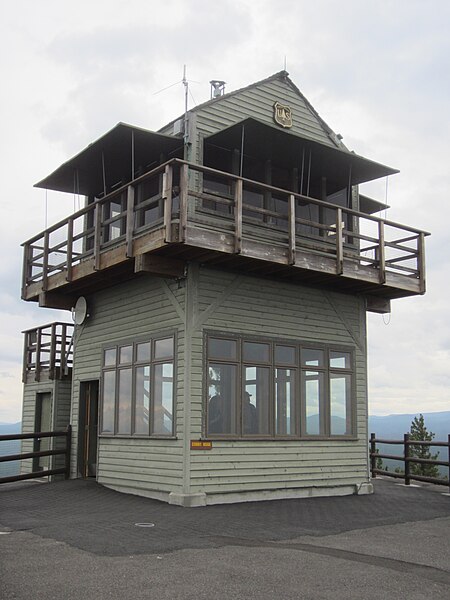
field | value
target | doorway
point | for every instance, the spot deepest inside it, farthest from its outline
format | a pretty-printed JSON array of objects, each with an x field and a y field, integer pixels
[
  {"x": 88, "y": 429},
  {"x": 43, "y": 422}
]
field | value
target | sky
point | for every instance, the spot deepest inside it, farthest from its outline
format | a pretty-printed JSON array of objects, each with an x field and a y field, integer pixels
[{"x": 377, "y": 72}]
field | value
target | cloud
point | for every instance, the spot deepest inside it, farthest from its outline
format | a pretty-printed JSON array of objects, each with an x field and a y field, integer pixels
[{"x": 376, "y": 72}]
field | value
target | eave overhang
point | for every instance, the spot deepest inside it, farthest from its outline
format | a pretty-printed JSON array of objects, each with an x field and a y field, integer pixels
[
  {"x": 287, "y": 149},
  {"x": 112, "y": 160},
  {"x": 370, "y": 206}
]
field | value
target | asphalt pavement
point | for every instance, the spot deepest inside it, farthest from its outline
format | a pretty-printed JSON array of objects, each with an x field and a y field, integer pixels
[{"x": 78, "y": 540}]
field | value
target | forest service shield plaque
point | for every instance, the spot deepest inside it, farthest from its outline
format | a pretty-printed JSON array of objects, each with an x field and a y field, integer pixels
[{"x": 282, "y": 115}]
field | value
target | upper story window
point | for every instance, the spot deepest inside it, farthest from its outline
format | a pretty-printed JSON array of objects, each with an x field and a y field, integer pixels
[
  {"x": 262, "y": 388},
  {"x": 138, "y": 388}
]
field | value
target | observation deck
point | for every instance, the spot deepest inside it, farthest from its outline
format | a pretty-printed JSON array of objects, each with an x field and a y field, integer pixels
[{"x": 181, "y": 212}]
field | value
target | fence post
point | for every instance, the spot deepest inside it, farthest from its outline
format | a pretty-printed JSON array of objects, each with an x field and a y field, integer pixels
[
  {"x": 448, "y": 458},
  {"x": 68, "y": 446},
  {"x": 406, "y": 455},
  {"x": 373, "y": 458}
]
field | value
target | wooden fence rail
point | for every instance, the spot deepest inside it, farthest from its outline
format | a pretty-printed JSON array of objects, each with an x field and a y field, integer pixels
[
  {"x": 407, "y": 459},
  {"x": 24, "y": 455}
]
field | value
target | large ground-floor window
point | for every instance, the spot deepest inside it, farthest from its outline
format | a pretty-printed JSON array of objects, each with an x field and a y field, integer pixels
[
  {"x": 138, "y": 388},
  {"x": 263, "y": 388}
]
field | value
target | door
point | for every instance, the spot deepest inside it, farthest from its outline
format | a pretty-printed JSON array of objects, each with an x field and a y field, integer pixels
[
  {"x": 43, "y": 422},
  {"x": 88, "y": 429}
]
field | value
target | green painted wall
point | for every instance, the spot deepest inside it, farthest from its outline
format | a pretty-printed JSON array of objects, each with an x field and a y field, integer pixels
[
  {"x": 136, "y": 308},
  {"x": 241, "y": 304},
  {"x": 60, "y": 391}
]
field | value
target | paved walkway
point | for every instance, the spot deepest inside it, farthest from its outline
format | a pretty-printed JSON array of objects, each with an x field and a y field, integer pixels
[{"x": 76, "y": 539}]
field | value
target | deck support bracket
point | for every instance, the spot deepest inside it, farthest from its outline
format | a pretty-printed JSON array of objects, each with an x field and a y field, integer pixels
[
  {"x": 160, "y": 266},
  {"x": 378, "y": 305},
  {"x": 55, "y": 300}
]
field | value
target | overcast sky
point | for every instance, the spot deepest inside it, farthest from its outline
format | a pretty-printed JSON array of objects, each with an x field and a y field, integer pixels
[{"x": 378, "y": 72}]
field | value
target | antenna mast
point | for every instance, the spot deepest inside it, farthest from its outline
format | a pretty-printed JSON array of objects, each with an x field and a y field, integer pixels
[{"x": 186, "y": 92}]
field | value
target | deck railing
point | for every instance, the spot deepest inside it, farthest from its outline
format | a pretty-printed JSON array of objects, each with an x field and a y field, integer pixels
[
  {"x": 407, "y": 458},
  {"x": 178, "y": 194},
  {"x": 37, "y": 436},
  {"x": 49, "y": 349}
]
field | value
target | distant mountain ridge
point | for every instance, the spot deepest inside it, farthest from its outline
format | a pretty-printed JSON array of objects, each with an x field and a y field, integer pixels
[
  {"x": 10, "y": 447},
  {"x": 394, "y": 426}
]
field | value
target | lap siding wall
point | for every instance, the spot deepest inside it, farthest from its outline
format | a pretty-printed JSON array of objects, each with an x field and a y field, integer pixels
[
  {"x": 278, "y": 310},
  {"x": 132, "y": 310}
]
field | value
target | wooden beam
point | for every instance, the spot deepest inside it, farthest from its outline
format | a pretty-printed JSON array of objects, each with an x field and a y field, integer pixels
[
  {"x": 159, "y": 265},
  {"x": 55, "y": 300},
  {"x": 378, "y": 305}
]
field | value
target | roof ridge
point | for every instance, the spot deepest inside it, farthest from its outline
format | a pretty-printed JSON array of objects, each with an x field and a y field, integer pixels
[{"x": 282, "y": 75}]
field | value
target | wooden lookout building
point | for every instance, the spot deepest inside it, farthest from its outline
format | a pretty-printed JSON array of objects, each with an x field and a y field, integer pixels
[{"x": 221, "y": 271}]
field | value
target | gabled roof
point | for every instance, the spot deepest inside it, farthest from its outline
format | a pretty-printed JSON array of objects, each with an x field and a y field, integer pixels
[{"x": 281, "y": 76}]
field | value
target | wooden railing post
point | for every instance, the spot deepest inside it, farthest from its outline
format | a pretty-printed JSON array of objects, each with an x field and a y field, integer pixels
[
  {"x": 373, "y": 459},
  {"x": 45, "y": 261},
  {"x": 52, "y": 361},
  {"x": 167, "y": 199},
  {"x": 381, "y": 253},
  {"x": 339, "y": 243},
  {"x": 406, "y": 452},
  {"x": 26, "y": 338},
  {"x": 69, "y": 253},
  {"x": 448, "y": 458},
  {"x": 130, "y": 221},
  {"x": 97, "y": 234},
  {"x": 62, "y": 360},
  {"x": 421, "y": 262},
  {"x": 292, "y": 229},
  {"x": 238, "y": 191},
  {"x": 184, "y": 188},
  {"x": 38, "y": 355},
  {"x": 26, "y": 269},
  {"x": 68, "y": 447}
]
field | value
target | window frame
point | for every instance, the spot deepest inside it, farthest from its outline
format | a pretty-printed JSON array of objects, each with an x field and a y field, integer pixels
[
  {"x": 299, "y": 418},
  {"x": 134, "y": 365}
]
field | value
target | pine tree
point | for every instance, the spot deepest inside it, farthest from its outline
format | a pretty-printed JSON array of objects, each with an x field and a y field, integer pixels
[
  {"x": 419, "y": 432},
  {"x": 379, "y": 464}
]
